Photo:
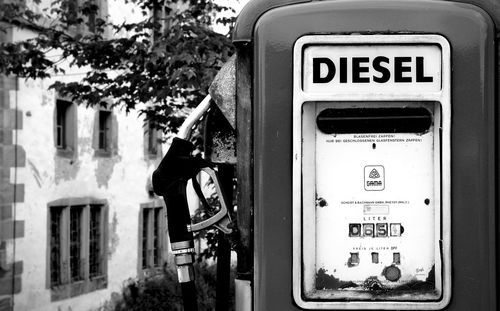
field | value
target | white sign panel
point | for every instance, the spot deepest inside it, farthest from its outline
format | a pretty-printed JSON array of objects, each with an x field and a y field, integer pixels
[
  {"x": 376, "y": 69},
  {"x": 375, "y": 228}
]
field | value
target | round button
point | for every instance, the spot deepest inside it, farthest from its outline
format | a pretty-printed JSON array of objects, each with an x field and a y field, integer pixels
[{"x": 392, "y": 273}]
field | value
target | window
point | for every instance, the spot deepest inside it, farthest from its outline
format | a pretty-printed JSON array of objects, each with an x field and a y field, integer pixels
[
  {"x": 60, "y": 124},
  {"x": 77, "y": 241},
  {"x": 159, "y": 18},
  {"x": 104, "y": 129},
  {"x": 105, "y": 139},
  {"x": 87, "y": 11},
  {"x": 152, "y": 239},
  {"x": 91, "y": 17},
  {"x": 65, "y": 127},
  {"x": 151, "y": 140}
]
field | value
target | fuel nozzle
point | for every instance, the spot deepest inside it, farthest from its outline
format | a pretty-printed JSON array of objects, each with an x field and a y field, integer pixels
[{"x": 170, "y": 180}]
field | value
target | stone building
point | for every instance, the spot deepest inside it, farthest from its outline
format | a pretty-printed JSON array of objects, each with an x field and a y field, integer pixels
[{"x": 78, "y": 219}]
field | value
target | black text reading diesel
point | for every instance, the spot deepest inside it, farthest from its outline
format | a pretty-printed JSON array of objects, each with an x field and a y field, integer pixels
[{"x": 403, "y": 69}]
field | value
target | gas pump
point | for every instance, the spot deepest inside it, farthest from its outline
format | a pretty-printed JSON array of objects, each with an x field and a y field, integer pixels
[{"x": 372, "y": 133}]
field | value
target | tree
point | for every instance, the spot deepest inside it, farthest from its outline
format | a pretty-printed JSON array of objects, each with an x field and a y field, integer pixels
[{"x": 161, "y": 66}]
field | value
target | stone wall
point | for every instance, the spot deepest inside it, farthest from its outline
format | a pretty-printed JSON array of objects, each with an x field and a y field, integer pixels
[{"x": 12, "y": 157}]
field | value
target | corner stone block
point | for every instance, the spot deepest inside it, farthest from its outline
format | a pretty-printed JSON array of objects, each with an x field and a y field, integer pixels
[
  {"x": 17, "y": 268},
  {"x": 5, "y": 304},
  {"x": 8, "y": 156},
  {"x": 8, "y": 271},
  {"x": 11, "y": 229},
  {"x": 10, "y": 193},
  {"x": 7, "y": 83},
  {"x": 11, "y": 119},
  {"x": 6, "y": 136},
  {"x": 4, "y": 175},
  {"x": 5, "y": 211},
  {"x": 9, "y": 286},
  {"x": 4, "y": 99}
]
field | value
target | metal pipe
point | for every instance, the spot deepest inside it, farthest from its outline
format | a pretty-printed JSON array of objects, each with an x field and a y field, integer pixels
[{"x": 193, "y": 118}]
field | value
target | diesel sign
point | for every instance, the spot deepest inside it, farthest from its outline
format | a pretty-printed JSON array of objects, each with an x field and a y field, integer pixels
[{"x": 372, "y": 69}]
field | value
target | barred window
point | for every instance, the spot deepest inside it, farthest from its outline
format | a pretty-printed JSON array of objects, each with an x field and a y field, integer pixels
[
  {"x": 76, "y": 247},
  {"x": 152, "y": 232}
]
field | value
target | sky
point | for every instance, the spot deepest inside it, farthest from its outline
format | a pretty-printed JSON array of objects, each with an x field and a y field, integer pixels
[{"x": 235, "y": 4}]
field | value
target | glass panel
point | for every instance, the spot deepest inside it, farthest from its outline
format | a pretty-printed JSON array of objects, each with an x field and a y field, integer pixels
[
  {"x": 145, "y": 218},
  {"x": 156, "y": 238},
  {"x": 368, "y": 202},
  {"x": 61, "y": 108},
  {"x": 104, "y": 129},
  {"x": 75, "y": 243},
  {"x": 55, "y": 245},
  {"x": 94, "y": 241},
  {"x": 152, "y": 139}
]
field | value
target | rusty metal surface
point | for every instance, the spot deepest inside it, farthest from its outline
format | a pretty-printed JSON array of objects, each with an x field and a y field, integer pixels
[
  {"x": 223, "y": 90},
  {"x": 219, "y": 138},
  {"x": 244, "y": 166}
]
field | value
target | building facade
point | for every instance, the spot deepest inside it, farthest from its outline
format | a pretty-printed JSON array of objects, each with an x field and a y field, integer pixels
[{"x": 78, "y": 219}]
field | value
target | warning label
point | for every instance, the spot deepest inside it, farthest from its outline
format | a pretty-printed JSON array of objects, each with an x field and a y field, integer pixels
[
  {"x": 374, "y": 178},
  {"x": 374, "y": 138}
]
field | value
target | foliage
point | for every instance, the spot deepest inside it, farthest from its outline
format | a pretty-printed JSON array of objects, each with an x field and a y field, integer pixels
[
  {"x": 159, "y": 65},
  {"x": 163, "y": 292}
]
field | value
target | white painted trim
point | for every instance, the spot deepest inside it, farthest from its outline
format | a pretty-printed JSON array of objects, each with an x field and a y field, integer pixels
[{"x": 243, "y": 295}]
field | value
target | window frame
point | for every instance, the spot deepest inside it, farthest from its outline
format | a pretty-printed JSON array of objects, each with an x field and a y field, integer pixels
[
  {"x": 152, "y": 136},
  {"x": 104, "y": 130},
  {"x": 65, "y": 127},
  {"x": 109, "y": 147},
  {"x": 67, "y": 287},
  {"x": 74, "y": 10},
  {"x": 61, "y": 124},
  {"x": 152, "y": 269}
]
